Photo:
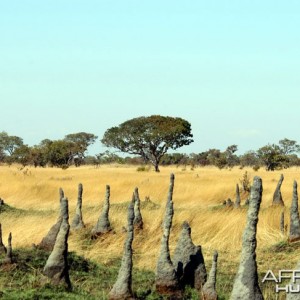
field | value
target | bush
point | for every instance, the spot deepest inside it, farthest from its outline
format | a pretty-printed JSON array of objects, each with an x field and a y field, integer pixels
[
  {"x": 143, "y": 169},
  {"x": 256, "y": 168}
]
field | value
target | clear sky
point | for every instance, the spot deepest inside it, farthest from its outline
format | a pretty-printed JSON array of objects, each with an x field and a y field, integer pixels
[{"x": 231, "y": 68}]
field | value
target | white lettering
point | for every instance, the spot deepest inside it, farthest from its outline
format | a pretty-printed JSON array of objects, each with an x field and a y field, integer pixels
[
  {"x": 281, "y": 288},
  {"x": 283, "y": 276},
  {"x": 269, "y": 277},
  {"x": 295, "y": 288},
  {"x": 296, "y": 275}
]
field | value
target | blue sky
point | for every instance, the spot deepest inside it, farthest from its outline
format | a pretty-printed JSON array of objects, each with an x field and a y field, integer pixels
[{"x": 231, "y": 68}]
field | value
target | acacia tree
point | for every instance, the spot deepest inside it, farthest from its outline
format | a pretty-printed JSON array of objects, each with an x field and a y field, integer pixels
[
  {"x": 9, "y": 143},
  {"x": 288, "y": 146},
  {"x": 231, "y": 158},
  {"x": 150, "y": 137},
  {"x": 80, "y": 141}
]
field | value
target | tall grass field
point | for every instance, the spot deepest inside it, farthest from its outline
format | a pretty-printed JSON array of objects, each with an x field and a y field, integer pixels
[{"x": 33, "y": 199}]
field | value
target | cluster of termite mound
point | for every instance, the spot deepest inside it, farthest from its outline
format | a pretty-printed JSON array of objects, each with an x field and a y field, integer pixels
[
  {"x": 277, "y": 197},
  {"x": 277, "y": 200},
  {"x": 173, "y": 275}
]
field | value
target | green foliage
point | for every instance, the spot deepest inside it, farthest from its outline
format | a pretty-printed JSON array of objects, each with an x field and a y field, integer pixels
[
  {"x": 150, "y": 137},
  {"x": 231, "y": 158},
  {"x": 293, "y": 160},
  {"x": 38, "y": 156},
  {"x": 250, "y": 158},
  {"x": 225, "y": 282},
  {"x": 199, "y": 159},
  {"x": 217, "y": 158},
  {"x": 108, "y": 157},
  {"x": 272, "y": 156},
  {"x": 90, "y": 280},
  {"x": 284, "y": 247},
  {"x": 81, "y": 139},
  {"x": 175, "y": 159},
  {"x": 55, "y": 153},
  {"x": 191, "y": 294},
  {"x": 288, "y": 146},
  {"x": 59, "y": 153},
  {"x": 2, "y": 155},
  {"x": 22, "y": 155},
  {"x": 9, "y": 143},
  {"x": 80, "y": 142},
  {"x": 256, "y": 168}
]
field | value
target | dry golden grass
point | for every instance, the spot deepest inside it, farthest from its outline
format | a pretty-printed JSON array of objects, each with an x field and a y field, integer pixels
[{"x": 197, "y": 193}]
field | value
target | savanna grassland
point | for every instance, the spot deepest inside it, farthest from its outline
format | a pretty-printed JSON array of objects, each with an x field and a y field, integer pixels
[{"x": 32, "y": 194}]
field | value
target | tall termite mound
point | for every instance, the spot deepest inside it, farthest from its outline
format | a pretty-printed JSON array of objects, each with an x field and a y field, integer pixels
[
  {"x": 282, "y": 222},
  {"x": 277, "y": 197},
  {"x": 294, "y": 217},
  {"x": 122, "y": 288},
  {"x": 166, "y": 281},
  {"x": 237, "y": 202},
  {"x": 77, "y": 222},
  {"x": 246, "y": 281},
  {"x": 138, "y": 220},
  {"x": 2, "y": 247},
  {"x": 188, "y": 260},
  {"x": 56, "y": 267},
  {"x": 103, "y": 223},
  {"x": 209, "y": 289},
  {"x": 9, "y": 256},
  {"x": 48, "y": 241}
]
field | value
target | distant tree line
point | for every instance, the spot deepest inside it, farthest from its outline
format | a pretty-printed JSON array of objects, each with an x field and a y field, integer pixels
[
  {"x": 271, "y": 156},
  {"x": 60, "y": 153},
  {"x": 72, "y": 150}
]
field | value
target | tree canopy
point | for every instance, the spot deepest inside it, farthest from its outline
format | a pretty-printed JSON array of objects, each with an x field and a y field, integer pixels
[
  {"x": 81, "y": 141},
  {"x": 288, "y": 146},
  {"x": 61, "y": 153},
  {"x": 78, "y": 144},
  {"x": 9, "y": 143},
  {"x": 278, "y": 156},
  {"x": 150, "y": 137}
]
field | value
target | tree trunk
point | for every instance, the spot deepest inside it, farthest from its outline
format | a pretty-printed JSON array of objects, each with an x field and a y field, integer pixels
[{"x": 156, "y": 167}]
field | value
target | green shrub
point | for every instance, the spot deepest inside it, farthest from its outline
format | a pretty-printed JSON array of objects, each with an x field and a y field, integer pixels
[
  {"x": 256, "y": 168},
  {"x": 143, "y": 169}
]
